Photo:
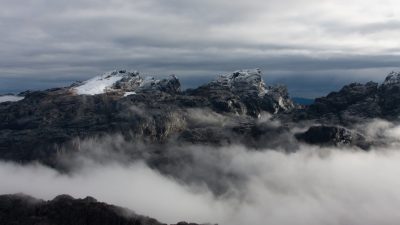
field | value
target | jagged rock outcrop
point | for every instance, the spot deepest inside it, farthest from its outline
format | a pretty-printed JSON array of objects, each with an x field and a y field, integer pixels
[
  {"x": 122, "y": 81},
  {"x": 356, "y": 102},
  {"x": 280, "y": 98},
  {"x": 241, "y": 82},
  {"x": 333, "y": 136},
  {"x": 389, "y": 96},
  {"x": 244, "y": 92},
  {"x": 393, "y": 78},
  {"x": 170, "y": 85}
]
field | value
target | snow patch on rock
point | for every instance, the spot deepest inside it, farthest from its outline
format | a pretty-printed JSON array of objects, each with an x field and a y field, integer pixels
[
  {"x": 392, "y": 78},
  {"x": 127, "y": 83},
  {"x": 10, "y": 98},
  {"x": 129, "y": 93},
  {"x": 106, "y": 82}
]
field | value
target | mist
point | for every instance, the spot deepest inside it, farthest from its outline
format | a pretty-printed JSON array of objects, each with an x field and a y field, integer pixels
[{"x": 310, "y": 186}]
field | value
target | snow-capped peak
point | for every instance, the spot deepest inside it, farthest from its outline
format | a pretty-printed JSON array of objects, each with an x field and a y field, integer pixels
[
  {"x": 392, "y": 78},
  {"x": 10, "y": 98},
  {"x": 110, "y": 81},
  {"x": 124, "y": 82},
  {"x": 249, "y": 80}
]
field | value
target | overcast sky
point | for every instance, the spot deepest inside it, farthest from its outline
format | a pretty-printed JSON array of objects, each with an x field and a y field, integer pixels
[{"x": 313, "y": 46}]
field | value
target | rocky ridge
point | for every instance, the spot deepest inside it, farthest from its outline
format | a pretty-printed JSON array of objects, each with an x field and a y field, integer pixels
[
  {"x": 123, "y": 81},
  {"x": 46, "y": 123},
  {"x": 21, "y": 209},
  {"x": 122, "y": 111},
  {"x": 356, "y": 102}
]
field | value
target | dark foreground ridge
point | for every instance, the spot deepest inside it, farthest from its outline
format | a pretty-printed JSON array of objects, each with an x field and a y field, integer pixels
[{"x": 64, "y": 210}]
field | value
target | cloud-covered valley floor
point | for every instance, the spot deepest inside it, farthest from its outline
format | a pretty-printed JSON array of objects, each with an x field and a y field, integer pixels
[{"x": 311, "y": 186}]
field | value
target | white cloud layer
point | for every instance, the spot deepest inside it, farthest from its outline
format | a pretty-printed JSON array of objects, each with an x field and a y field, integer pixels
[{"x": 312, "y": 186}]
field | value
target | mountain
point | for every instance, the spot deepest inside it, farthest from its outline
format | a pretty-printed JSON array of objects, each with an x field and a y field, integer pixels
[
  {"x": 356, "y": 102},
  {"x": 125, "y": 82},
  {"x": 142, "y": 109},
  {"x": 131, "y": 118}
]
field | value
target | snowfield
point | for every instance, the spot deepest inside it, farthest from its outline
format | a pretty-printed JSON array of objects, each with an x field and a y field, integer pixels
[
  {"x": 10, "y": 98},
  {"x": 99, "y": 84}
]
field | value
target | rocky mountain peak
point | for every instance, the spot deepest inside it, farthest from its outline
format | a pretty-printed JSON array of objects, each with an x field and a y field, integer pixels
[
  {"x": 170, "y": 85},
  {"x": 392, "y": 78},
  {"x": 246, "y": 92},
  {"x": 127, "y": 82},
  {"x": 243, "y": 82},
  {"x": 280, "y": 95}
]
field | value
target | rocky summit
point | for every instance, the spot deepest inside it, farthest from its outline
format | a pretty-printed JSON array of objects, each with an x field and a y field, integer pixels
[
  {"x": 122, "y": 81},
  {"x": 356, "y": 102}
]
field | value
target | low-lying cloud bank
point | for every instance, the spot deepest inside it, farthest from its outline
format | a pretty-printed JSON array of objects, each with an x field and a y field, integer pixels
[
  {"x": 229, "y": 185},
  {"x": 311, "y": 186}
]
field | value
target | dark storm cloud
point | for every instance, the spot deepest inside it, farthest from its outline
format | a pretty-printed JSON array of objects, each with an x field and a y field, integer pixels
[{"x": 55, "y": 41}]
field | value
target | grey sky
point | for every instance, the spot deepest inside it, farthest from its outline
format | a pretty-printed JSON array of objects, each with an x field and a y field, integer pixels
[{"x": 312, "y": 45}]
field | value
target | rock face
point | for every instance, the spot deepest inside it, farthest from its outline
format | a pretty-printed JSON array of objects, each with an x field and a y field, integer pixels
[
  {"x": 280, "y": 98},
  {"x": 332, "y": 136},
  {"x": 389, "y": 97},
  {"x": 241, "y": 82},
  {"x": 170, "y": 85},
  {"x": 244, "y": 92},
  {"x": 24, "y": 210},
  {"x": 356, "y": 102},
  {"x": 393, "y": 78}
]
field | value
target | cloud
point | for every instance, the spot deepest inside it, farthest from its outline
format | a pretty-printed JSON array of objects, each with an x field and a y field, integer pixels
[
  {"x": 52, "y": 41},
  {"x": 310, "y": 186}
]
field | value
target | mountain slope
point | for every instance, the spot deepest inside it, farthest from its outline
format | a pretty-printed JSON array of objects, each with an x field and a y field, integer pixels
[
  {"x": 64, "y": 210},
  {"x": 232, "y": 109},
  {"x": 356, "y": 102},
  {"x": 37, "y": 127}
]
